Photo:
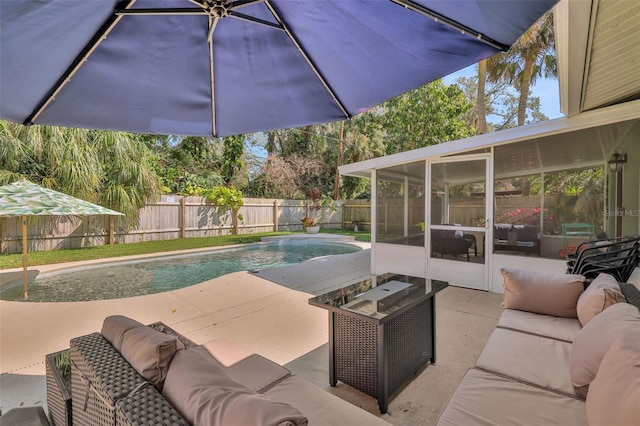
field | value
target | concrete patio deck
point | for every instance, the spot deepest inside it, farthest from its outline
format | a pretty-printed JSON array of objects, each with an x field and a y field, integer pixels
[{"x": 263, "y": 316}]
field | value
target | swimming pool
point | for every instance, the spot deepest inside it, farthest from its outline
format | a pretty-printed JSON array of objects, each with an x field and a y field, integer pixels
[{"x": 159, "y": 274}]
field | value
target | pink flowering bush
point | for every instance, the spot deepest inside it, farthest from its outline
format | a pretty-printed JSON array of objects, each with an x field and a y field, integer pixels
[{"x": 521, "y": 216}]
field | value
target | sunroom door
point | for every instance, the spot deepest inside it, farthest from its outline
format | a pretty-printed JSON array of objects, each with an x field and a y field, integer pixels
[{"x": 459, "y": 208}]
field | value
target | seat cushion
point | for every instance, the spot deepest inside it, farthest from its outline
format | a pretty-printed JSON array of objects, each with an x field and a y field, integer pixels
[
  {"x": 319, "y": 406},
  {"x": 527, "y": 358},
  {"x": 485, "y": 399},
  {"x": 594, "y": 340},
  {"x": 253, "y": 371},
  {"x": 614, "y": 394},
  {"x": 603, "y": 292},
  {"x": 543, "y": 325},
  {"x": 204, "y": 394},
  {"x": 542, "y": 293}
]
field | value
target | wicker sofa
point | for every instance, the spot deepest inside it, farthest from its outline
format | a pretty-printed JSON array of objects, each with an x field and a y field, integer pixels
[
  {"x": 131, "y": 374},
  {"x": 541, "y": 366}
]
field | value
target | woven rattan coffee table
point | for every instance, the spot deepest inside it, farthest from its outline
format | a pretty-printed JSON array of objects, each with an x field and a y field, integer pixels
[{"x": 381, "y": 332}]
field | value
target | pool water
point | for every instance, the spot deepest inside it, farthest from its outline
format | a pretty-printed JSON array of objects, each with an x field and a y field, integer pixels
[{"x": 148, "y": 276}]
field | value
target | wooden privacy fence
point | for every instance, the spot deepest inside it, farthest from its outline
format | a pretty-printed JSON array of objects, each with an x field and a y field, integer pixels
[{"x": 173, "y": 217}]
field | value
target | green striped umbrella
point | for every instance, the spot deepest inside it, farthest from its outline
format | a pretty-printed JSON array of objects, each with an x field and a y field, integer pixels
[{"x": 24, "y": 198}]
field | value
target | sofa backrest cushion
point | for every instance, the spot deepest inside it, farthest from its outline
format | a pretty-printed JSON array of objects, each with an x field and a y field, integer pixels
[
  {"x": 149, "y": 351},
  {"x": 114, "y": 327},
  {"x": 542, "y": 293},
  {"x": 594, "y": 340},
  {"x": 206, "y": 395},
  {"x": 603, "y": 292},
  {"x": 501, "y": 231},
  {"x": 527, "y": 233},
  {"x": 614, "y": 394}
]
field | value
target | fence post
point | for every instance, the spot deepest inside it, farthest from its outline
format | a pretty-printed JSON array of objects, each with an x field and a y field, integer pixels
[
  {"x": 234, "y": 221},
  {"x": 111, "y": 230},
  {"x": 275, "y": 216},
  {"x": 183, "y": 211}
]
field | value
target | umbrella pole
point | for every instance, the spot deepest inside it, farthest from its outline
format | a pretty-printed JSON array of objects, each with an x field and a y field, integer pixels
[{"x": 24, "y": 257}]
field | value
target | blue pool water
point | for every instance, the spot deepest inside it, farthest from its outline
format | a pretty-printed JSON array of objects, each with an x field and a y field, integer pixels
[{"x": 148, "y": 276}]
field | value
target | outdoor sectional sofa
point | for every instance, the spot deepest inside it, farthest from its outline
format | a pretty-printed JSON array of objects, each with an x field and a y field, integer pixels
[
  {"x": 558, "y": 356},
  {"x": 525, "y": 239},
  {"x": 132, "y": 374}
]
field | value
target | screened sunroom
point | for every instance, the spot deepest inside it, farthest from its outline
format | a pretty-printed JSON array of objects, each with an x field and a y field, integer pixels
[{"x": 523, "y": 197}]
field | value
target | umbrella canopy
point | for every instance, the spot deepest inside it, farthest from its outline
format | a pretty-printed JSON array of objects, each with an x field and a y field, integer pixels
[
  {"x": 24, "y": 198},
  {"x": 222, "y": 67}
]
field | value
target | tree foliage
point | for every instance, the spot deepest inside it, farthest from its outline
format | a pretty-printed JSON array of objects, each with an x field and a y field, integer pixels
[
  {"x": 531, "y": 57},
  {"x": 428, "y": 115},
  {"x": 113, "y": 169},
  {"x": 501, "y": 105}
]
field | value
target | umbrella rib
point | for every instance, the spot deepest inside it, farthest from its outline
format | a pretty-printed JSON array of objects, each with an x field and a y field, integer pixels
[
  {"x": 244, "y": 3},
  {"x": 214, "y": 125},
  {"x": 451, "y": 23},
  {"x": 248, "y": 18},
  {"x": 160, "y": 11},
  {"x": 308, "y": 60},
  {"x": 101, "y": 35}
]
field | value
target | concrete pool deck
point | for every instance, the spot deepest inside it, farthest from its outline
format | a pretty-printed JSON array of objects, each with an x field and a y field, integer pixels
[{"x": 262, "y": 315}]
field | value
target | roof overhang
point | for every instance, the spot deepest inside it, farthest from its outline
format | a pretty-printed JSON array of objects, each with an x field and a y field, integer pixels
[
  {"x": 598, "y": 53},
  {"x": 604, "y": 126}
]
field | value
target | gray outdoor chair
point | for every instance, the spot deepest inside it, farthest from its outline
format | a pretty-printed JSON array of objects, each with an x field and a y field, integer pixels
[{"x": 618, "y": 257}]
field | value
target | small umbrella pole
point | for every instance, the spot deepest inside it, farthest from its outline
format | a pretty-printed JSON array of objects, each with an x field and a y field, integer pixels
[{"x": 24, "y": 257}]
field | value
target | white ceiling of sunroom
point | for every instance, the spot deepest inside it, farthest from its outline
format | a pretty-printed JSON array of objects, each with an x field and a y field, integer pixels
[{"x": 583, "y": 148}]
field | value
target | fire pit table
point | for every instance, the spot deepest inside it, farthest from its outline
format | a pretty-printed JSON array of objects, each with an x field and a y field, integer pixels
[{"x": 381, "y": 332}]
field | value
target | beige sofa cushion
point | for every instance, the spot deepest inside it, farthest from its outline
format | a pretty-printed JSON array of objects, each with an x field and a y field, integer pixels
[
  {"x": 530, "y": 359},
  {"x": 319, "y": 406},
  {"x": 594, "y": 340},
  {"x": 542, "y": 293},
  {"x": 252, "y": 370},
  {"x": 614, "y": 394},
  {"x": 542, "y": 325},
  {"x": 603, "y": 292},
  {"x": 114, "y": 327},
  {"x": 149, "y": 351},
  {"x": 204, "y": 394},
  {"x": 486, "y": 399}
]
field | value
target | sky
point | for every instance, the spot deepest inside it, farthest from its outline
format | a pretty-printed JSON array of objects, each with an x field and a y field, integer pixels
[{"x": 546, "y": 89}]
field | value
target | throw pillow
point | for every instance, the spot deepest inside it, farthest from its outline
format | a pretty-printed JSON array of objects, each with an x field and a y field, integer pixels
[
  {"x": 594, "y": 340},
  {"x": 542, "y": 293},
  {"x": 204, "y": 394},
  {"x": 603, "y": 292},
  {"x": 148, "y": 351},
  {"x": 114, "y": 327},
  {"x": 614, "y": 394}
]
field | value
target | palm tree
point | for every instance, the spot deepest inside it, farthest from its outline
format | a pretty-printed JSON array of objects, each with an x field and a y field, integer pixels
[
  {"x": 481, "y": 110},
  {"x": 531, "y": 56},
  {"x": 114, "y": 169}
]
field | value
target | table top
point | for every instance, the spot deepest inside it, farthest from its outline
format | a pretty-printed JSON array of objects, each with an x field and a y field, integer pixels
[{"x": 381, "y": 297}]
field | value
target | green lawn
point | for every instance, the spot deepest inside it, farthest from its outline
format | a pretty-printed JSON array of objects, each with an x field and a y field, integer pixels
[{"x": 89, "y": 253}]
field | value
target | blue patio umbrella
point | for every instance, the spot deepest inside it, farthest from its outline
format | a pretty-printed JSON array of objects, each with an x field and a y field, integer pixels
[{"x": 222, "y": 67}]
